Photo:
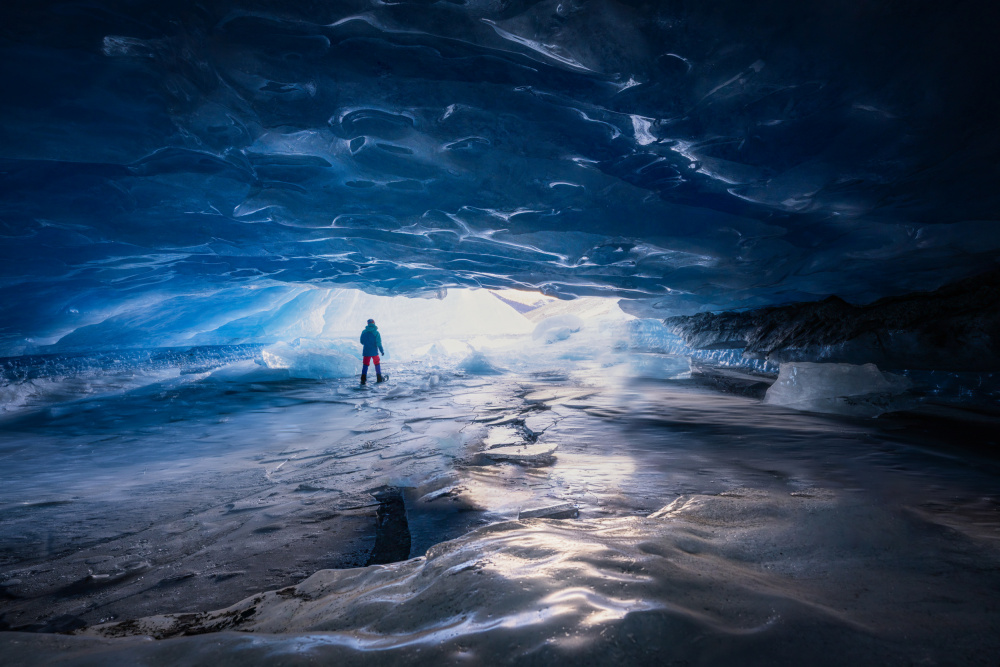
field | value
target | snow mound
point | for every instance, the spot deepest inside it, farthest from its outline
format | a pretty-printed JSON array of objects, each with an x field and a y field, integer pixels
[
  {"x": 478, "y": 364},
  {"x": 586, "y": 308},
  {"x": 848, "y": 389},
  {"x": 314, "y": 359},
  {"x": 557, "y": 328},
  {"x": 445, "y": 348}
]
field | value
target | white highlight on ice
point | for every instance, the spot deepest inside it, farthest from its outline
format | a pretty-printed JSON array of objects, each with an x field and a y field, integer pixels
[
  {"x": 641, "y": 126},
  {"x": 631, "y": 83},
  {"x": 682, "y": 59},
  {"x": 615, "y": 132},
  {"x": 546, "y": 50}
]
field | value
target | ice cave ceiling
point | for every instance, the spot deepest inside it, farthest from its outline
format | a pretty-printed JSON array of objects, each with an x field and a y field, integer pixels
[{"x": 700, "y": 154}]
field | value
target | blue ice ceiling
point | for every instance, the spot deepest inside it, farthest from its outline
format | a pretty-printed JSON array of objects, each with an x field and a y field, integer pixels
[{"x": 697, "y": 154}]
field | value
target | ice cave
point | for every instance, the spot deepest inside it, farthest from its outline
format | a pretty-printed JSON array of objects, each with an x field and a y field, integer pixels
[{"x": 688, "y": 316}]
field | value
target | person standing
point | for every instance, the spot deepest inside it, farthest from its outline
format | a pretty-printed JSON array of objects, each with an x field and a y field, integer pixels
[{"x": 371, "y": 339}]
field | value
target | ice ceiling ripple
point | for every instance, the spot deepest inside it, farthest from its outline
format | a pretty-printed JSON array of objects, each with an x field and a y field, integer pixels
[{"x": 708, "y": 154}]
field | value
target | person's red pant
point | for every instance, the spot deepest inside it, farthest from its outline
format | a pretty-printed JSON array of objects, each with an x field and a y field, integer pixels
[{"x": 371, "y": 359}]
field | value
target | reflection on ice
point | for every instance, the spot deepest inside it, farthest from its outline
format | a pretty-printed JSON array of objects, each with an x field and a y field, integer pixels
[
  {"x": 605, "y": 609},
  {"x": 581, "y": 500},
  {"x": 709, "y": 574}
]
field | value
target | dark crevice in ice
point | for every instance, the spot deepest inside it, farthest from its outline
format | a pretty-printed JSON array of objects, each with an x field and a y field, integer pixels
[
  {"x": 438, "y": 517},
  {"x": 392, "y": 531},
  {"x": 729, "y": 381}
]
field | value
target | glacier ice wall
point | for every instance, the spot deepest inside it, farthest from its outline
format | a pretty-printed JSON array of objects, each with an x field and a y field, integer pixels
[{"x": 157, "y": 158}]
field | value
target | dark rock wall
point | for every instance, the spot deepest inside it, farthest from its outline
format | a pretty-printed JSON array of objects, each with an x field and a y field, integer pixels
[{"x": 956, "y": 328}]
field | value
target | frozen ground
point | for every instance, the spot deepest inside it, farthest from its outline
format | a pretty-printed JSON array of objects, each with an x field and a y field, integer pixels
[{"x": 552, "y": 513}]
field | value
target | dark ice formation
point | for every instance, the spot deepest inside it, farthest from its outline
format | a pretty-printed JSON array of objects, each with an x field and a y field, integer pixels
[{"x": 954, "y": 328}]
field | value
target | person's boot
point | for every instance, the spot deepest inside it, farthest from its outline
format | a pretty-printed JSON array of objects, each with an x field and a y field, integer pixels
[
  {"x": 364, "y": 380},
  {"x": 379, "y": 378}
]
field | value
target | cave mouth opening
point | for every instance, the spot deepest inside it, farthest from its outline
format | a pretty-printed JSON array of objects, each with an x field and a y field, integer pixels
[{"x": 296, "y": 331}]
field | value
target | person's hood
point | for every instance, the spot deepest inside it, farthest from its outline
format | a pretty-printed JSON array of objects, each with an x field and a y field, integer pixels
[{"x": 371, "y": 327}]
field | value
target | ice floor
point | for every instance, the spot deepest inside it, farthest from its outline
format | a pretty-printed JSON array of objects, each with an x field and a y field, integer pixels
[{"x": 583, "y": 515}]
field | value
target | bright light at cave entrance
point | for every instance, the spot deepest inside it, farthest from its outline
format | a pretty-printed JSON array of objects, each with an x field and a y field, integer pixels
[
  {"x": 410, "y": 322},
  {"x": 476, "y": 331}
]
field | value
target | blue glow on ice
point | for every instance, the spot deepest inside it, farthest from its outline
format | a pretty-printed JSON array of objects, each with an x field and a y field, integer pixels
[{"x": 702, "y": 159}]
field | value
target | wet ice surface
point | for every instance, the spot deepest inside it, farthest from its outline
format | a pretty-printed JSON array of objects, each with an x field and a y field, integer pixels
[
  {"x": 192, "y": 493},
  {"x": 657, "y": 518}
]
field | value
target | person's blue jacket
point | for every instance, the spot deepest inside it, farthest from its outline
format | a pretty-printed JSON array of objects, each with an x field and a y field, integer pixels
[{"x": 372, "y": 340}]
